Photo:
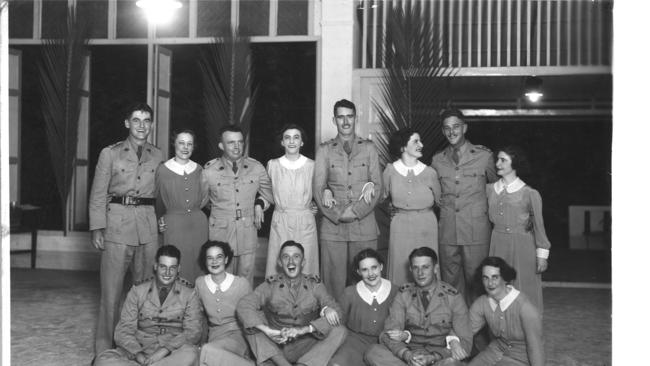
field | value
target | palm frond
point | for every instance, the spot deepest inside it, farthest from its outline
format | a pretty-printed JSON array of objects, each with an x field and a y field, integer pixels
[
  {"x": 61, "y": 71},
  {"x": 228, "y": 93},
  {"x": 413, "y": 82}
]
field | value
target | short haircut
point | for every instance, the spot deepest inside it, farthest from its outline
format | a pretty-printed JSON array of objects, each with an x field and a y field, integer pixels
[
  {"x": 344, "y": 103},
  {"x": 452, "y": 112},
  {"x": 367, "y": 253},
  {"x": 423, "y": 252},
  {"x": 398, "y": 140},
  {"x": 292, "y": 126},
  {"x": 187, "y": 131},
  {"x": 507, "y": 272},
  {"x": 203, "y": 253},
  {"x": 229, "y": 128},
  {"x": 168, "y": 251},
  {"x": 137, "y": 106},
  {"x": 519, "y": 159},
  {"x": 291, "y": 243}
]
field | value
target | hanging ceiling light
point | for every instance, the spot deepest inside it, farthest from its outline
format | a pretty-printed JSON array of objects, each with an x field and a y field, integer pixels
[
  {"x": 533, "y": 89},
  {"x": 159, "y": 11}
]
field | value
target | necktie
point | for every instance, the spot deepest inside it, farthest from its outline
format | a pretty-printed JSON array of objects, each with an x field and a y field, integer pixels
[
  {"x": 162, "y": 294},
  {"x": 456, "y": 155},
  {"x": 139, "y": 152},
  {"x": 234, "y": 167},
  {"x": 347, "y": 148},
  {"x": 425, "y": 299}
]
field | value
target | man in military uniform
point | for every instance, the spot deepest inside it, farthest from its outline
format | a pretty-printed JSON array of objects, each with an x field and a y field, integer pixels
[
  {"x": 122, "y": 217},
  {"x": 464, "y": 234},
  {"x": 161, "y": 319},
  {"x": 421, "y": 320},
  {"x": 291, "y": 318},
  {"x": 233, "y": 181},
  {"x": 347, "y": 186}
]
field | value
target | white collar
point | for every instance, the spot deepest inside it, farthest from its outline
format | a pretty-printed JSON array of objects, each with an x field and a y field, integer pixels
[
  {"x": 293, "y": 165},
  {"x": 381, "y": 294},
  {"x": 506, "y": 301},
  {"x": 404, "y": 170},
  {"x": 180, "y": 169},
  {"x": 516, "y": 185},
  {"x": 225, "y": 285}
]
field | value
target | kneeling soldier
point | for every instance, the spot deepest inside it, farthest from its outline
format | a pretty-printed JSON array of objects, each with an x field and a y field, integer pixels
[{"x": 161, "y": 319}]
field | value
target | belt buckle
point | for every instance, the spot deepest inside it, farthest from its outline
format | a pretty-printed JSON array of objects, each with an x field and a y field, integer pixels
[
  {"x": 162, "y": 330},
  {"x": 129, "y": 200},
  {"x": 238, "y": 214}
]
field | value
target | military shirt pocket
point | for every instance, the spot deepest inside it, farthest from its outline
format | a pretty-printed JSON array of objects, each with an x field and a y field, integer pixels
[
  {"x": 413, "y": 317},
  {"x": 218, "y": 223},
  {"x": 360, "y": 171},
  {"x": 123, "y": 167},
  {"x": 336, "y": 167},
  {"x": 309, "y": 305},
  {"x": 441, "y": 321}
]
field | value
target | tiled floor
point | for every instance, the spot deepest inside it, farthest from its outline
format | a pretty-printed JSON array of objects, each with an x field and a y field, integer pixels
[{"x": 53, "y": 322}]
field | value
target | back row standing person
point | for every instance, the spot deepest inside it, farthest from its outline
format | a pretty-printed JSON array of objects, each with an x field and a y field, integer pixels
[
  {"x": 122, "y": 216},
  {"x": 233, "y": 181},
  {"x": 291, "y": 176},
  {"x": 179, "y": 198},
  {"x": 347, "y": 186},
  {"x": 464, "y": 170}
]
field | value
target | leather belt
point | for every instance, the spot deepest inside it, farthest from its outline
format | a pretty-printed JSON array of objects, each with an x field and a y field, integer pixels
[
  {"x": 133, "y": 201},
  {"x": 420, "y": 210}
]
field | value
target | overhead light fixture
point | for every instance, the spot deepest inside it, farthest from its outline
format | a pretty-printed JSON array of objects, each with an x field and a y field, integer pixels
[
  {"x": 533, "y": 89},
  {"x": 159, "y": 11}
]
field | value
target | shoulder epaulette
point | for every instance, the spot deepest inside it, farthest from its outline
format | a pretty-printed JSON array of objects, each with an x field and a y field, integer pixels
[
  {"x": 253, "y": 160},
  {"x": 448, "y": 289},
  {"x": 119, "y": 143},
  {"x": 210, "y": 163},
  {"x": 481, "y": 147},
  {"x": 273, "y": 278},
  {"x": 328, "y": 142},
  {"x": 312, "y": 277},
  {"x": 407, "y": 287},
  {"x": 185, "y": 282},
  {"x": 148, "y": 279}
]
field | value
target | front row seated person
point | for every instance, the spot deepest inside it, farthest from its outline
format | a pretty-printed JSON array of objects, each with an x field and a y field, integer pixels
[
  {"x": 514, "y": 321},
  {"x": 219, "y": 292},
  {"x": 161, "y": 319},
  {"x": 290, "y": 318},
  {"x": 365, "y": 308},
  {"x": 430, "y": 313}
]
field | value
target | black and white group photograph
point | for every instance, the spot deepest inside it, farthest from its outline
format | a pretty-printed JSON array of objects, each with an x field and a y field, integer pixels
[{"x": 322, "y": 182}]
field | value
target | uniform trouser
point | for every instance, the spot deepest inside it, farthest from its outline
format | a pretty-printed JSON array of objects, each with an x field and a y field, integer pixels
[
  {"x": 458, "y": 264},
  {"x": 230, "y": 350},
  {"x": 116, "y": 260},
  {"x": 379, "y": 355},
  {"x": 336, "y": 258},
  {"x": 306, "y": 350},
  {"x": 244, "y": 266},
  {"x": 186, "y": 355}
]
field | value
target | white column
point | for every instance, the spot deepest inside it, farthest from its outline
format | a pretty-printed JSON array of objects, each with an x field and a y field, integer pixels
[{"x": 334, "y": 61}]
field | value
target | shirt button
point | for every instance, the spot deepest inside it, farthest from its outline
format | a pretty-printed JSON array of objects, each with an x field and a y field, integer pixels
[
  {"x": 237, "y": 190},
  {"x": 187, "y": 189},
  {"x": 457, "y": 210},
  {"x": 138, "y": 177},
  {"x": 457, "y": 168},
  {"x": 457, "y": 182},
  {"x": 187, "y": 201},
  {"x": 349, "y": 173},
  {"x": 349, "y": 187},
  {"x": 457, "y": 196},
  {"x": 501, "y": 213},
  {"x": 410, "y": 181},
  {"x": 374, "y": 321},
  {"x": 237, "y": 203},
  {"x": 188, "y": 210},
  {"x": 375, "y": 309},
  {"x": 185, "y": 178}
]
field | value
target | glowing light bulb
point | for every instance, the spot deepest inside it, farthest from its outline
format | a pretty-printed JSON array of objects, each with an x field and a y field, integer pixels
[
  {"x": 159, "y": 11},
  {"x": 534, "y": 96}
]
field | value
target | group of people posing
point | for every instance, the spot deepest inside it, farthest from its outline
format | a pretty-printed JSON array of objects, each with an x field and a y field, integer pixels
[{"x": 491, "y": 232}]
